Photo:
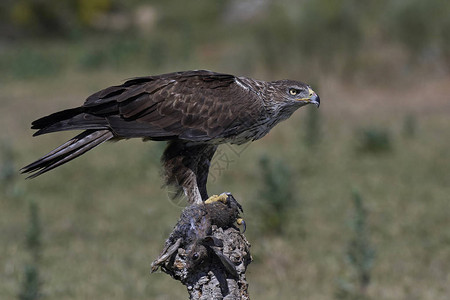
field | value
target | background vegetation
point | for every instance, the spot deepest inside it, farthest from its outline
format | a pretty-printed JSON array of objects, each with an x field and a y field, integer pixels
[{"x": 382, "y": 70}]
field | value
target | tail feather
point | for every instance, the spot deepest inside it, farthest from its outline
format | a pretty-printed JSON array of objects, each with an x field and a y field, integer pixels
[
  {"x": 71, "y": 119},
  {"x": 56, "y": 117},
  {"x": 68, "y": 151}
]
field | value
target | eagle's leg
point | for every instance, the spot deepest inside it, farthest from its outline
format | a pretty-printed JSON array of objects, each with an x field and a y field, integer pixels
[
  {"x": 202, "y": 170},
  {"x": 186, "y": 167}
]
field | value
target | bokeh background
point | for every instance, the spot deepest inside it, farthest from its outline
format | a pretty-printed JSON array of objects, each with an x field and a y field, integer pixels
[{"x": 350, "y": 201}]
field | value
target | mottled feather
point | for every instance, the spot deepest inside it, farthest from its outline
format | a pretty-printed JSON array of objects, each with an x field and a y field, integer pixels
[{"x": 193, "y": 110}]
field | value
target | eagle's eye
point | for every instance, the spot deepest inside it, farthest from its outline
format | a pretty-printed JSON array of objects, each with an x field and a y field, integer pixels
[{"x": 293, "y": 92}]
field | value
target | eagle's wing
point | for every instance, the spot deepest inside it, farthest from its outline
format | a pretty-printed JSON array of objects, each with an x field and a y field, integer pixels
[{"x": 193, "y": 105}]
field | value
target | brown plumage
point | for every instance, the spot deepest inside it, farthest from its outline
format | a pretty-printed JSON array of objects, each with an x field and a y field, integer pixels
[{"x": 194, "y": 111}]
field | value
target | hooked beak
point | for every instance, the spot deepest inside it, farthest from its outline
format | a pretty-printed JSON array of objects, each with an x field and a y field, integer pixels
[{"x": 313, "y": 98}]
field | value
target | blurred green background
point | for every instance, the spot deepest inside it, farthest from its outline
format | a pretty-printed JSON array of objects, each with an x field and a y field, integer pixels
[{"x": 350, "y": 201}]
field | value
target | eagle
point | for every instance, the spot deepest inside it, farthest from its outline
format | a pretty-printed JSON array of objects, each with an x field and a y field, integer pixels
[{"x": 193, "y": 111}]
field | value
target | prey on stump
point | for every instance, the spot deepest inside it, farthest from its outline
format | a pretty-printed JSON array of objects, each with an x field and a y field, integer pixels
[{"x": 206, "y": 252}]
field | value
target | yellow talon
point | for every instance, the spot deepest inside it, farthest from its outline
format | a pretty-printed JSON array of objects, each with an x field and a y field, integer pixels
[
  {"x": 222, "y": 197},
  {"x": 240, "y": 222}
]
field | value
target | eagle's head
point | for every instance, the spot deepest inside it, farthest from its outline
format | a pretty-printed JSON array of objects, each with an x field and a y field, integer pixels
[{"x": 295, "y": 92}]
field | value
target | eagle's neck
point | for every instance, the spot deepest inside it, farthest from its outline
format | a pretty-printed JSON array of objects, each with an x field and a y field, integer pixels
[
  {"x": 271, "y": 111},
  {"x": 278, "y": 109}
]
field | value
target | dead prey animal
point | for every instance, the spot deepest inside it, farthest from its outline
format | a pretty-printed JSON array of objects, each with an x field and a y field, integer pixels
[{"x": 192, "y": 242}]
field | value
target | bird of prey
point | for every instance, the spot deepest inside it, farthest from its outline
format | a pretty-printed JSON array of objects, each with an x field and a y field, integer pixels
[{"x": 194, "y": 111}]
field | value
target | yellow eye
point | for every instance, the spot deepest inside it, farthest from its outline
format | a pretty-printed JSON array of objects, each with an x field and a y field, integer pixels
[{"x": 293, "y": 92}]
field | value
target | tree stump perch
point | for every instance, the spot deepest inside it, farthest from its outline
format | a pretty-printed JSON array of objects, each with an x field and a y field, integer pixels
[{"x": 207, "y": 253}]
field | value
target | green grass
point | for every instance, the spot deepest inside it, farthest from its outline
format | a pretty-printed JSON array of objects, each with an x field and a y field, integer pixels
[
  {"x": 105, "y": 218},
  {"x": 31, "y": 285}
]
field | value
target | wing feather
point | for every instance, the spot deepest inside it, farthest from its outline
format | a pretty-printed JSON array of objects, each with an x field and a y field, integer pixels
[{"x": 193, "y": 105}]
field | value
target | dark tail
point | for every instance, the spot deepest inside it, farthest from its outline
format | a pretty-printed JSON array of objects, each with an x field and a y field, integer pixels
[
  {"x": 69, "y": 119},
  {"x": 73, "y": 148},
  {"x": 97, "y": 132}
]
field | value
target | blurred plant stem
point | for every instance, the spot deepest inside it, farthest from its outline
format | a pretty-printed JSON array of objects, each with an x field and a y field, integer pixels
[
  {"x": 409, "y": 126},
  {"x": 276, "y": 197},
  {"x": 359, "y": 256},
  {"x": 32, "y": 283}
]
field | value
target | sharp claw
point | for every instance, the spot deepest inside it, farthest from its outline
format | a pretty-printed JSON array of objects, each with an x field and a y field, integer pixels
[
  {"x": 231, "y": 198},
  {"x": 240, "y": 222}
]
